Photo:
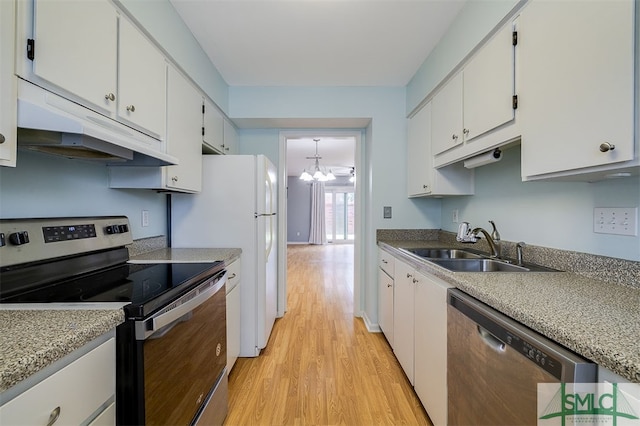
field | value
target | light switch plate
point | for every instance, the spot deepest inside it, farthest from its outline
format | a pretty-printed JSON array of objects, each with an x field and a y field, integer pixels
[
  {"x": 615, "y": 220},
  {"x": 386, "y": 212}
]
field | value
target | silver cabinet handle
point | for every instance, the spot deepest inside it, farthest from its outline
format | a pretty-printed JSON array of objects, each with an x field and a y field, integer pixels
[
  {"x": 232, "y": 276},
  {"x": 2, "y": 138},
  {"x": 110, "y": 97},
  {"x": 384, "y": 261},
  {"x": 606, "y": 146},
  {"x": 53, "y": 417},
  {"x": 131, "y": 108}
]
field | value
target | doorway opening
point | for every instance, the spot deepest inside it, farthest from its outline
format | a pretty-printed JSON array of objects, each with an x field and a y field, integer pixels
[{"x": 340, "y": 153}]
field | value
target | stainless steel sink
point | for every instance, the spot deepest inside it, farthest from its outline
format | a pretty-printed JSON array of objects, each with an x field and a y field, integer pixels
[
  {"x": 468, "y": 260},
  {"x": 444, "y": 253},
  {"x": 478, "y": 265}
]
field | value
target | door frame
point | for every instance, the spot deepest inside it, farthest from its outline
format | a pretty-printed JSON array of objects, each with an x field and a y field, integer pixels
[{"x": 358, "y": 250}]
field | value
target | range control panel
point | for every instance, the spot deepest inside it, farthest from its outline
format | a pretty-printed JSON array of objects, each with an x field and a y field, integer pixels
[{"x": 29, "y": 240}]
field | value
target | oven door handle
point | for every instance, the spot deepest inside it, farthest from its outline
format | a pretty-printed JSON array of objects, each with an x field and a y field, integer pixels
[{"x": 146, "y": 328}]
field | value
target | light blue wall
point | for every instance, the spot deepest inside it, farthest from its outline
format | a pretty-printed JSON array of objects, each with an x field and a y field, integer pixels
[
  {"x": 298, "y": 210},
  {"x": 550, "y": 214},
  {"x": 260, "y": 141},
  {"x": 384, "y": 175},
  {"x": 48, "y": 186},
  {"x": 473, "y": 23},
  {"x": 164, "y": 24}
]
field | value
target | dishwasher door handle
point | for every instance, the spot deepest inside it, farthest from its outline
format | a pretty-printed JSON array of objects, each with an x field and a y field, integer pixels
[{"x": 492, "y": 341}]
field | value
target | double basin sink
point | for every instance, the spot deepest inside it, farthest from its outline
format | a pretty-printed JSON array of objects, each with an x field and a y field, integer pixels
[{"x": 469, "y": 260}]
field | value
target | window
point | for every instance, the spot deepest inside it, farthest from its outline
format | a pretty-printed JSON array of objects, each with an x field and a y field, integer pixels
[{"x": 339, "y": 209}]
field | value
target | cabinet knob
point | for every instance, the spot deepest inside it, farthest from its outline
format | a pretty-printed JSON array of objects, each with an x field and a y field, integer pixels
[
  {"x": 454, "y": 137},
  {"x": 388, "y": 285},
  {"x": 415, "y": 280},
  {"x": 425, "y": 186},
  {"x": 226, "y": 148},
  {"x": 53, "y": 417},
  {"x": 409, "y": 275},
  {"x": 466, "y": 132},
  {"x": 2, "y": 139},
  {"x": 110, "y": 97},
  {"x": 232, "y": 276},
  {"x": 131, "y": 108},
  {"x": 606, "y": 146},
  {"x": 174, "y": 179}
]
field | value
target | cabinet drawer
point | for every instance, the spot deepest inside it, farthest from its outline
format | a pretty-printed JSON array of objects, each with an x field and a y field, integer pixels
[
  {"x": 386, "y": 262},
  {"x": 233, "y": 275},
  {"x": 79, "y": 389}
]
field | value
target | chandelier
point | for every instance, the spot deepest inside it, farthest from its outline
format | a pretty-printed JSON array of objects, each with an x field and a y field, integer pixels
[{"x": 317, "y": 173}]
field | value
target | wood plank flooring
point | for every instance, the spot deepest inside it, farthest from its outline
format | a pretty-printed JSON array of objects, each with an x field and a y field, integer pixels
[{"x": 322, "y": 366}]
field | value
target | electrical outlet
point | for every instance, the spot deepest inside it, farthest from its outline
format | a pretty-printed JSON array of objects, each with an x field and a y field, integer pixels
[
  {"x": 454, "y": 216},
  {"x": 617, "y": 221},
  {"x": 145, "y": 218}
]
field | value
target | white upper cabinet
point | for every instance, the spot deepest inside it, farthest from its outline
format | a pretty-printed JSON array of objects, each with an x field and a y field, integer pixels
[
  {"x": 90, "y": 53},
  {"x": 489, "y": 86},
  {"x": 183, "y": 134},
  {"x": 142, "y": 81},
  {"x": 8, "y": 94},
  {"x": 479, "y": 98},
  {"x": 419, "y": 164},
  {"x": 184, "y": 141},
  {"x": 422, "y": 178},
  {"x": 213, "y": 128},
  {"x": 230, "y": 138},
  {"x": 577, "y": 87},
  {"x": 75, "y": 49},
  {"x": 447, "y": 116}
]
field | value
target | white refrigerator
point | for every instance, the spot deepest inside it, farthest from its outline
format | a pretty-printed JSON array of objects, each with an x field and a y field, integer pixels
[{"x": 237, "y": 209}]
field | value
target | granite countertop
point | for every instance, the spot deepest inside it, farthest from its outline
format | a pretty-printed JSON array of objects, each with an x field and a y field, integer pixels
[
  {"x": 597, "y": 319},
  {"x": 31, "y": 339},
  {"x": 184, "y": 255}
]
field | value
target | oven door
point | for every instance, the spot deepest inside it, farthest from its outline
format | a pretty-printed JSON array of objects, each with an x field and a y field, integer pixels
[{"x": 178, "y": 360}]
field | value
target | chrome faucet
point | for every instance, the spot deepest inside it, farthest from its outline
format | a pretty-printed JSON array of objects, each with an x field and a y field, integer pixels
[
  {"x": 519, "y": 247},
  {"x": 495, "y": 235},
  {"x": 471, "y": 236}
]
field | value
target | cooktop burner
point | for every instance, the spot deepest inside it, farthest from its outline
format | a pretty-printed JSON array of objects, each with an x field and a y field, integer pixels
[{"x": 144, "y": 286}]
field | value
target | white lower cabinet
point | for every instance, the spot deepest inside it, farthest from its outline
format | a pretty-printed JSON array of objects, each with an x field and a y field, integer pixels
[
  {"x": 8, "y": 87},
  {"x": 420, "y": 334},
  {"x": 75, "y": 394},
  {"x": 430, "y": 371},
  {"x": 233, "y": 313},
  {"x": 385, "y": 293},
  {"x": 403, "y": 318}
]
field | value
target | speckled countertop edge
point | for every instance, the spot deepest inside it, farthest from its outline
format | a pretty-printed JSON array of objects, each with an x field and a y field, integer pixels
[
  {"x": 183, "y": 255},
  {"x": 30, "y": 340},
  {"x": 597, "y": 319}
]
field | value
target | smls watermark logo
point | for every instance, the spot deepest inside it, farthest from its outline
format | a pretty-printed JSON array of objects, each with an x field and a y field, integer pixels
[{"x": 587, "y": 404}]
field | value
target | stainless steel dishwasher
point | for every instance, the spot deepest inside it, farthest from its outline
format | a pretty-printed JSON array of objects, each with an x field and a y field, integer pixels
[{"x": 495, "y": 364}]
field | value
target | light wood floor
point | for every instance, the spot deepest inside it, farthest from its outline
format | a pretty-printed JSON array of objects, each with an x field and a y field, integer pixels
[{"x": 322, "y": 366}]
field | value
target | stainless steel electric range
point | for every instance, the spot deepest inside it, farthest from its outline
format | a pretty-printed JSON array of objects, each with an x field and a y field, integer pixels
[{"x": 171, "y": 349}]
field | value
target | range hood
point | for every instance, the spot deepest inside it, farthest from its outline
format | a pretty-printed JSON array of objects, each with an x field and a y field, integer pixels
[{"x": 54, "y": 125}]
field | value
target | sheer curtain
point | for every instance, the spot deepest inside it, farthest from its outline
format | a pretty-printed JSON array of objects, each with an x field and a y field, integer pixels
[{"x": 317, "y": 234}]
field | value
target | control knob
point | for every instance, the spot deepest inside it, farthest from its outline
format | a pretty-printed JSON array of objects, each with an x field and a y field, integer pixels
[{"x": 19, "y": 238}]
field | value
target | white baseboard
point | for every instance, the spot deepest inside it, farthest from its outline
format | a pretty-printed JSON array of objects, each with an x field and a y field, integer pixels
[{"x": 371, "y": 327}]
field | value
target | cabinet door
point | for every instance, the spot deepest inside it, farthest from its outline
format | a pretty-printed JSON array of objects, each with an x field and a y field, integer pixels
[
  {"x": 431, "y": 346},
  {"x": 446, "y": 116},
  {"x": 213, "y": 127},
  {"x": 230, "y": 138},
  {"x": 403, "y": 317},
  {"x": 8, "y": 93},
  {"x": 78, "y": 390},
  {"x": 76, "y": 49},
  {"x": 184, "y": 117},
  {"x": 419, "y": 165},
  {"x": 576, "y": 89},
  {"x": 142, "y": 79},
  {"x": 489, "y": 86},
  {"x": 385, "y": 304}
]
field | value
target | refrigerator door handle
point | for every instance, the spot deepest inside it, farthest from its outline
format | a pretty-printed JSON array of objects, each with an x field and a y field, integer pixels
[{"x": 263, "y": 214}]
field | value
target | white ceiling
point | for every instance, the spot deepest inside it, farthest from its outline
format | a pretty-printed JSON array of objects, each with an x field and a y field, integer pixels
[
  {"x": 317, "y": 42},
  {"x": 337, "y": 154}
]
